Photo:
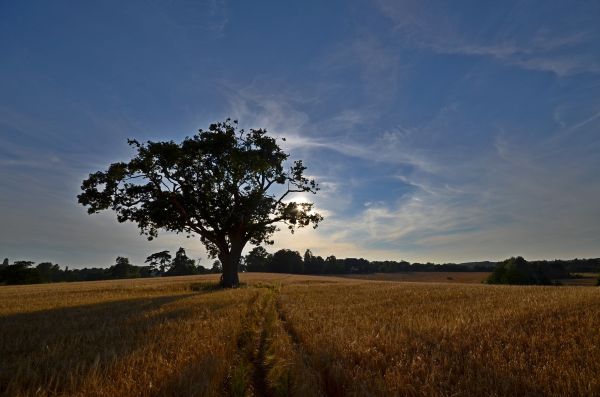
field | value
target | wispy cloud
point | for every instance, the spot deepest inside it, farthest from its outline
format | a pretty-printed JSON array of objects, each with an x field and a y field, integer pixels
[
  {"x": 437, "y": 28},
  {"x": 487, "y": 202},
  {"x": 585, "y": 122}
]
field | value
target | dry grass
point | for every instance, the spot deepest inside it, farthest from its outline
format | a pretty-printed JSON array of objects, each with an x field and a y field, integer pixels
[
  {"x": 436, "y": 339},
  {"x": 582, "y": 280},
  {"x": 286, "y": 335},
  {"x": 427, "y": 277},
  {"x": 155, "y": 345}
]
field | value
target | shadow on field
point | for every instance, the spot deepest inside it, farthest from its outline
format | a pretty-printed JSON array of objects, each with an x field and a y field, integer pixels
[{"x": 55, "y": 349}]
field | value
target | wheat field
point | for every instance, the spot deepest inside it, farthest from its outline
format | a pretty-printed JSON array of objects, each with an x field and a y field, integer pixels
[
  {"x": 427, "y": 277},
  {"x": 282, "y": 335}
]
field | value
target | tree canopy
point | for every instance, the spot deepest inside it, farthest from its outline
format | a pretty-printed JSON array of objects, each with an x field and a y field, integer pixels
[
  {"x": 257, "y": 259},
  {"x": 519, "y": 271},
  {"x": 226, "y": 185},
  {"x": 159, "y": 261},
  {"x": 182, "y": 264},
  {"x": 124, "y": 269},
  {"x": 286, "y": 261}
]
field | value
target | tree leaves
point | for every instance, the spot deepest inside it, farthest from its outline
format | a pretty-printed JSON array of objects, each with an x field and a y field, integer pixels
[{"x": 218, "y": 184}]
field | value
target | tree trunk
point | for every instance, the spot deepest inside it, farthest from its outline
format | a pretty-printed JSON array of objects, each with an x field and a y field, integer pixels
[
  {"x": 230, "y": 260},
  {"x": 230, "y": 263}
]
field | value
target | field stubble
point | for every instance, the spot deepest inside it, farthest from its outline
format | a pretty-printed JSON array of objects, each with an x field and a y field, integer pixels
[{"x": 298, "y": 335}]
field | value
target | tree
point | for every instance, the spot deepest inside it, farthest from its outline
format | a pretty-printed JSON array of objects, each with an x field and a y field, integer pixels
[
  {"x": 20, "y": 272},
  {"x": 46, "y": 271},
  {"x": 518, "y": 271},
  {"x": 201, "y": 269},
  {"x": 182, "y": 265},
  {"x": 313, "y": 264},
  {"x": 226, "y": 185},
  {"x": 216, "y": 267},
  {"x": 124, "y": 269},
  {"x": 4, "y": 263},
  {"x": 257, "y": 259},
  {"x": 159, "y": 261},
  {"x": 333, "y": 265},
  {"x": 286, "y": 261},
  {"x": 24, "y": 264}
]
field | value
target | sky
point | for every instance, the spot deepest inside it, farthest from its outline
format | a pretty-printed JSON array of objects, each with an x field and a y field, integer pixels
[{"x": 438, "y": 131}]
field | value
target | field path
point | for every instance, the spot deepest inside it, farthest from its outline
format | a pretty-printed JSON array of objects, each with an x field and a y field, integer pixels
[
  {"x": 248, "y": 376},
  {"x": 271, "y": 361}
]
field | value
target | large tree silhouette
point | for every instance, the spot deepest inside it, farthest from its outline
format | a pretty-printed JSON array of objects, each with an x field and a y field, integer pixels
[{"x": 226, "y": 185}]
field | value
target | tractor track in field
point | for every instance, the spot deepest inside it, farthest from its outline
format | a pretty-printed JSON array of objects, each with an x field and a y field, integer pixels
[
  {"x": 289, "y": 329},
  {"x": 252, "y": 375},
  {"x": 248, "y": 376},
  {"x": 300, "y": 350}
]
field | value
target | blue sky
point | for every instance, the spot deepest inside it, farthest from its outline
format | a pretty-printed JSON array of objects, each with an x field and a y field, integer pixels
[{"x": 442, "y": 131}]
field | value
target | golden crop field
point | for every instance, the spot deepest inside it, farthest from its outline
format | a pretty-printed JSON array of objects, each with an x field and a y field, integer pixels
[
  {"x": 282, "y": 335},
  {"x": 427, "y": 277}
]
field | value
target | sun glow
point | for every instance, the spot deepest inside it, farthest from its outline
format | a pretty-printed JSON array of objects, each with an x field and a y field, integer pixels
[{"x": 299, "y": 198}]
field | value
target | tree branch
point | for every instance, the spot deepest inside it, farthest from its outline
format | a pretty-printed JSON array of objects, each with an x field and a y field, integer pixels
[{"x": 286, "y": 193}]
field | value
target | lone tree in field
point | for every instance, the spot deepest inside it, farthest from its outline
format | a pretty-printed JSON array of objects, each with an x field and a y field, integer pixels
[{"x": 226, "y": 185}]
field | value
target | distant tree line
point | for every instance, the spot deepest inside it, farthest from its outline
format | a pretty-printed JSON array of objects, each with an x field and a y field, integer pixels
[
  {"x": 163, "y": 264},
  {"x": 288, "y": 261},
  {"x": 159, "y": 264}
]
